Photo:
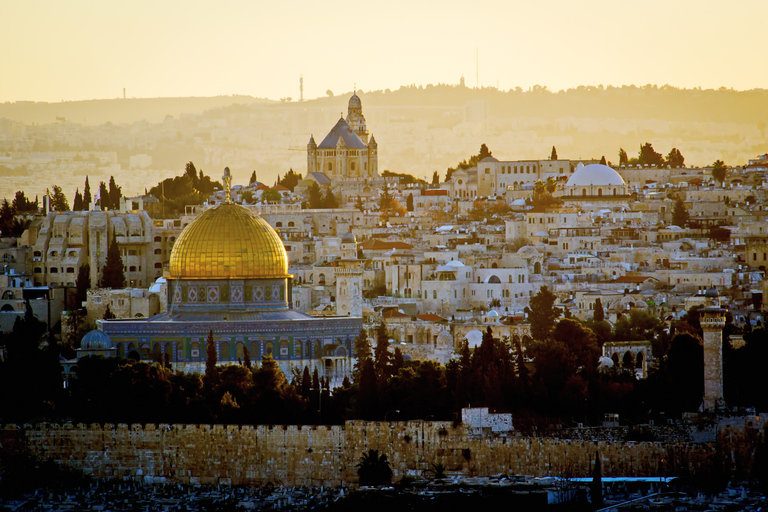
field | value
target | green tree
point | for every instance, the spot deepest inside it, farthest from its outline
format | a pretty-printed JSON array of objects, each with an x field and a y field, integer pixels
[
  {"x": 680, "y": 214},
  {"x": 77, "y": 204},
  {"x": 542, "y": 313},
  {"x": 648, "y": 156},
  {"x": 113, "y": 273},
  {"x": 675, "y": 158},
  {"x": 383, "y": 359},
  {"x": 189, "y": 170},
  {"x": 602, "y": 161},
  {"x": 359, "y": 204},
  {"x": 623, "y": 158},
  {"x": 104, "y": 199},
  {"x": 21, "y": 204},
  {"x": 211, "y": 370},
  {"x": 246, "y": 196},
  {"x": 599, "y": 314},
  {"x": 115, "y": 194},
  {"x": 719, "y": 171},
  {"x": 553, "y": 155},
  {"x": 290, "y": 180},
  {"x": 271, "y": 196},
  {"x": 247, "y": 358},
  {"x": 315, "y": 198},
  {"x": 373, "y": 469},
  {"x": 6, "y": 218},
  {"x": 82, "y": 284},
  {"x": 409, "y": 202},
  {"x": 58, "y": 200},
  {"x": 435, "y": 178},
  {"x": 551, "y": 185},
  {"x": 330, "y": 201},
  {"x": 87, "y": 198},
  {"x": 361, "y": 350},
  {"x": 252, "y": 179},
  {"x": 474, "y": 159}
]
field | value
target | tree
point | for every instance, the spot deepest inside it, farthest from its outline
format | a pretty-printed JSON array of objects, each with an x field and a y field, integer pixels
[
  {"x": 290, "y": 180},
  {"x": 306, "y": 383},
  {"x": 542, "y": 313},
  {"x": 77, "y": 204},
  {"x": 623, "y": 158},
  {"x": 87, "y": 199},
  {"x": 271, "y": 196},
  {"x": 474, "y": 159},
  {"x": 211, "y": 371},
  {"x": 553, "y": 155},
  {"x": 21, "y": 204},
  {"x": 6, "y": 218},
  {"x": 103, "y": 196},
  {"x": 675, "y": 158},
  {"x": 115, "y": 193},
  {"x": 361, "y": 350},
  {"x": 598, "y": 315},
  {"x": 373, "y": 469},
  {"x": 435, "y": 178},
  {"x": 113, "y": 273},
  {"x": 59, "y": 201},
  {"x": 82, "y": 284},
  {"x": 315, "y": 198},
  {"x": 409, "y": 202},
  {"x": 680, "y": 214},
  {"x": 381, "y": 353},
  {"x": 648, "y": 156},
  {"x": 247, "y": 358},
  {"x": 602, "y": 161},
  {"x": 359, "y": 204},
  {"x": 596, "y": 489},
  {"x": 551, "y": 185},
  {"x": 330, "y": 201},
  {"x": 189, "y": 170},
  {"x": 719, "y": 170},
  {"x": 252, "y": 180}
]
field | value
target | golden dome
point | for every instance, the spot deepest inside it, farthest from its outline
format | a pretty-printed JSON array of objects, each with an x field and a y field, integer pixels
[{"x": 228, "y": 242}]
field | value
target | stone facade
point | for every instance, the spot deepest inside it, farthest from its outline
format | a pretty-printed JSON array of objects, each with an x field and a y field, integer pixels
[{"x": 326, "y": 455}]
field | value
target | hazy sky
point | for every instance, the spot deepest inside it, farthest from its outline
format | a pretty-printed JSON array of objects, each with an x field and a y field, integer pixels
[{"x": 55, "y": 50}]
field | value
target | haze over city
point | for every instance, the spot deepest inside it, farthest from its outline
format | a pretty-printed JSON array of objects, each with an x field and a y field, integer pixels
[{"x": 66, "y": 51}]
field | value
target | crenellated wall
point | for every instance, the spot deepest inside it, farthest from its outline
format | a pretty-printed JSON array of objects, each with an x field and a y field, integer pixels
[{"x": 314, "y": 456}]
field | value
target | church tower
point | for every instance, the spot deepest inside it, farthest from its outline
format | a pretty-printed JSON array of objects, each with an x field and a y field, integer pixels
[
  {"x": 712, "y": 323},
  {"x": 312, "y": 155},
  {"x": 355, "y": 118},
  {"x": 349, "y": 279}
]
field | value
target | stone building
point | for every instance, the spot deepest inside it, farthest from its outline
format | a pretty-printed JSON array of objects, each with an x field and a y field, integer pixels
[{"x": 228, "y": 276}]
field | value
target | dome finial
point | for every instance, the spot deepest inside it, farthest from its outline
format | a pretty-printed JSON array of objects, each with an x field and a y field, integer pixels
[{"x": 227, "y": 179}]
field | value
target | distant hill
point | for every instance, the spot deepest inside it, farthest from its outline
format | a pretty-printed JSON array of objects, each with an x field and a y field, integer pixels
[
  {"x": 625, "y": 102},
  {"x": 117, "y": 111}
]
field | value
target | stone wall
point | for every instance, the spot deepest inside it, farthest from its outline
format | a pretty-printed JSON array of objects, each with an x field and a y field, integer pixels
[{"x": 313, "y": 456}]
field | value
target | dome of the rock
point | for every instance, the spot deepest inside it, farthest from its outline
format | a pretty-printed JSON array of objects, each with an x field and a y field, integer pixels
[{"x": 228, "y": 242}]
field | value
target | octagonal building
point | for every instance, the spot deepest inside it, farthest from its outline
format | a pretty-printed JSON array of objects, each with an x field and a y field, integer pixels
[{"x": 228, "y": 274}]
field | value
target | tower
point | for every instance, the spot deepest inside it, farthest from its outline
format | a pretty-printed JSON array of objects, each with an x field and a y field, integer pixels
[
  {"x": 712, "y": 323},
  {"x": 356, "y": 119},
  {"x": 349, "y": 279}
]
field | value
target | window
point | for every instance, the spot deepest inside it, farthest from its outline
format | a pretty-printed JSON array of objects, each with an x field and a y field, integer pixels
[
  {"x": 434, "y": 294},
  {"x": 291, "y": 224},
  {"x": 278, "y": 224},
  {"x": 158, "y": 265}
]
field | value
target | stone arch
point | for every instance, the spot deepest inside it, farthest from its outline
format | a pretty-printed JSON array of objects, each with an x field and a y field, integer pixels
[
  {"x": 494, "y": 279},
  {"x": 628, "y": 361},
  {"x": 8, "y": 295},
  {"x": 615, "y": 359},
  {"x": 639, "y": 360},
  {"x": 494, "y": 265}
]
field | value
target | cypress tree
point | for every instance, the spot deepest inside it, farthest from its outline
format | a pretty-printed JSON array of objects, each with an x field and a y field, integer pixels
[
  {"x": 82, "y": 284},
  {"x": 599, "y": 314},
  {"x": 383, "y": 357},
  {"x": 87, "y": 198},
  {"x": 77, "y": 203},
  {"x": 211, "y": 371},
  {"x": 362, "y": 353},
  {"x": 247, "y": 358},
  {"x": 113, "y": 274}
]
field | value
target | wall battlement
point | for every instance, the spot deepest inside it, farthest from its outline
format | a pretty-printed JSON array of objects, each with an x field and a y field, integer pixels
[{"x": 296, "y": 455}]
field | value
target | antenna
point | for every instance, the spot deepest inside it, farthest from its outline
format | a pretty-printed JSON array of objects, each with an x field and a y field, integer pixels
[
  {"x": 301, "y": 87},
  {"x": 477, "y": 67},
  {"x": 123, "y": 92}
]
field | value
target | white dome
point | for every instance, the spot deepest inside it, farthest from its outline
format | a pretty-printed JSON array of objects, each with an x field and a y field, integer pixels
[{"x": 595, "y": 174}]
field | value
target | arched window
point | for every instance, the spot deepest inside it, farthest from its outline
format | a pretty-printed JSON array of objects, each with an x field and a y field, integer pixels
[
  {"x": 269, "y": 349},
  {"x": 628, "y": 361},
  {"x": 291, "y": 224},
  {"x": 158, "y": 251},
  {"x": 224, "y": 350},
  {"x": 278, "y": 224},
  {"x": 537, "y": 268},
  {"x": 599, "y": 192},
  {"x": 434, "y": 294},
  {"x": 254, "y": 350},
  {"x": 321, "y": 280},
  {"x": 239, "y": 351},
  {"x": 583, "y": 191},
  {"x": 352, "y": 166},
  {"x": 639, "y": 359},
  {"x": 70, "y": 270},
  {"x": 330, "y": 166},
  {"x": 614, "y": 191},
  {"x": 158, "y": 265},
  {"x": 158, "y": 239}
]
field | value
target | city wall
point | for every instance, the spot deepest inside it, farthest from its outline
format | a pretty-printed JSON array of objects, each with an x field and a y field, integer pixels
[{"x": 314, "y": 456}]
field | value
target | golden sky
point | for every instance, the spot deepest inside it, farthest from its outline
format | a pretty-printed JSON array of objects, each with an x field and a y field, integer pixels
[{"x": 54, "y": 50}]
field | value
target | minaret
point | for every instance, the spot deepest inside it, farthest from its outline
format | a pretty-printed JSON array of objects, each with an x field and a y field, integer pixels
[
  {"x": 712, "y": 322},
  {"x": 311, "y": 155},
  {"x": 227, "y": 180}
]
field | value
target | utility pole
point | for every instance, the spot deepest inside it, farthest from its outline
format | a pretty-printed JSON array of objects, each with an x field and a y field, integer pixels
[{"x": 301, "y": 87}]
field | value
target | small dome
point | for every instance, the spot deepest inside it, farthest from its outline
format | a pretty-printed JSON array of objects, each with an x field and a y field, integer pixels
[
  {"x": 527, "y": 251},
  {"x": 489, "y": 159},
  {"x": 712, "y": 293},
  {"x": 348, "y": 238},
  {"x": 354, "y": 101},
  {"x": 595, "y": 174},
  {"x": 96, "y": 340}
]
